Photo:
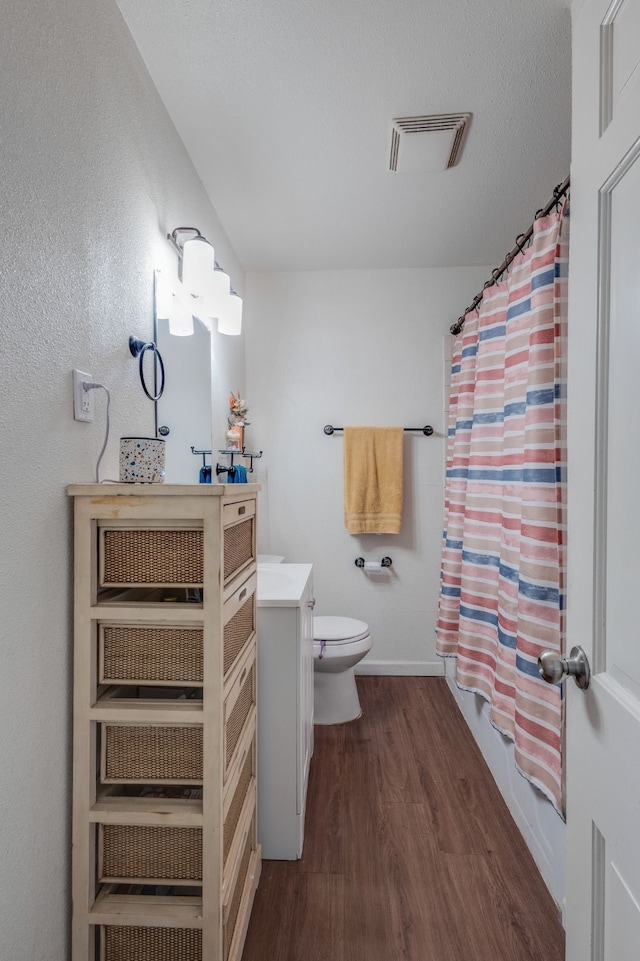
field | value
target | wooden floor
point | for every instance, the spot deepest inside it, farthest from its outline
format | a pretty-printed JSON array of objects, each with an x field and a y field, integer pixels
[{"x": 410, "y": 851}]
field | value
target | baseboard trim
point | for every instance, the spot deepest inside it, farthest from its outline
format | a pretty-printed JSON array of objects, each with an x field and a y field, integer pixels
[{"x": 401, "y": 668}]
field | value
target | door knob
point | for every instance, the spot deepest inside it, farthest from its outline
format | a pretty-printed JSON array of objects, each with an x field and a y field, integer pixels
[{"x": 552, "y": 667}]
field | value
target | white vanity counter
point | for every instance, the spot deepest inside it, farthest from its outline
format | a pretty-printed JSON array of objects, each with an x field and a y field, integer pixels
[
  {"x": 285, "y": 705},
  {"x": 282, "y": 585}
]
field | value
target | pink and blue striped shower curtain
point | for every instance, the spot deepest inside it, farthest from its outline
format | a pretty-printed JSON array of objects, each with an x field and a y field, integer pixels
[{"x": 502, "y": 586}]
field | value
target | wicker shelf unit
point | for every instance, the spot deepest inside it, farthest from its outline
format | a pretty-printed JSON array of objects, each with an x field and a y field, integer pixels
[{"x": 165, "y": 852}]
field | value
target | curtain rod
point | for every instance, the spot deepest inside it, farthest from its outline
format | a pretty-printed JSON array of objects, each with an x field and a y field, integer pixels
[{"x": 521, "y": 240}]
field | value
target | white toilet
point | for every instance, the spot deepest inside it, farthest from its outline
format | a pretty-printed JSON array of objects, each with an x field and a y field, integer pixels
[{"x": 338, "y": 644}]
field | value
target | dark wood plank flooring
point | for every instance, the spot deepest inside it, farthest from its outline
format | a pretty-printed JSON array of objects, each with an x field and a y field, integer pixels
[{"x": 410, "y": 852}]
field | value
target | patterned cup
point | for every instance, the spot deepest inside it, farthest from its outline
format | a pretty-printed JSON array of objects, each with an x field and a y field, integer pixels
[{"x": 141, "y": 460}]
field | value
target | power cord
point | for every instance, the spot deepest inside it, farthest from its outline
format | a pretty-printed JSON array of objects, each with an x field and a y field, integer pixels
[{"x": 87, "y": 385}]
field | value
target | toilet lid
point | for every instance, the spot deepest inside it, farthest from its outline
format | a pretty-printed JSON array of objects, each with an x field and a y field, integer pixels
[{"x": 332, "y": 628}]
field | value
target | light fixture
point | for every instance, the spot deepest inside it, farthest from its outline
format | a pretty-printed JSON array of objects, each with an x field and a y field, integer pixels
[
  {"x": 230, "y": 321},
  {"x": 206, "y": 281},
  {"x": 174, "y": 305},
  {"x": 180, "y": 318},
  {"x": 215, "y": 300},
  {"x": 198, "y": 263},
  {"x": 197, "y": 258}
]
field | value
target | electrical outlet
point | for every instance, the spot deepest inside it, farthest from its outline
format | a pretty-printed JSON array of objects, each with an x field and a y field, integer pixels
[{"x": 82, "y": 399}]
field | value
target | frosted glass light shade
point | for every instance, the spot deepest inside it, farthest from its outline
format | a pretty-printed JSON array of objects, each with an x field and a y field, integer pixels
[
  {"x": 180, "y": 318},
  {"x": 217, "y": 294},
  {"x": 230, "y": 321},
  {"x": 198, "y": 262}
]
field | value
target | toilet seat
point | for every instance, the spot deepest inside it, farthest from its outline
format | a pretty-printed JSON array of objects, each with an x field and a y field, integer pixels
[{"x": 335, "y": 630}]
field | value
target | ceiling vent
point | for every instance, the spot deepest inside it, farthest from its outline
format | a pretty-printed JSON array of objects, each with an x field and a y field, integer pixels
[{"x": 427, "y": 154}]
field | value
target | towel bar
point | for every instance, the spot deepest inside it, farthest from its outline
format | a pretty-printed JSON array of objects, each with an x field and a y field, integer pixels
[{"x": 427, "y": 430}]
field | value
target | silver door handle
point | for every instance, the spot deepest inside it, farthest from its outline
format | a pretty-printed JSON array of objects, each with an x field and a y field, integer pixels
[
  {"x": 552, "y": 667},
  {"x": 311, "y": 603}
]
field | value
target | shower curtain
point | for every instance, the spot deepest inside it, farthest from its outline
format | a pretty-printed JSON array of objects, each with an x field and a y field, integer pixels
[{"x": 502, "y": 583}]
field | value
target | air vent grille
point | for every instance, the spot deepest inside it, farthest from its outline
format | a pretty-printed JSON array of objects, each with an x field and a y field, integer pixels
[{"x": 457, "y": 123}]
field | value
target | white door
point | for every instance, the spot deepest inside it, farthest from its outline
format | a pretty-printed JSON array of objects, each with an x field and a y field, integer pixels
[{"x": 603, "y": 613}]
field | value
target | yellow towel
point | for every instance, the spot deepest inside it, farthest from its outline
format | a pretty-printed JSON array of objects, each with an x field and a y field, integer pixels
[{"x": 373, "y": 479}]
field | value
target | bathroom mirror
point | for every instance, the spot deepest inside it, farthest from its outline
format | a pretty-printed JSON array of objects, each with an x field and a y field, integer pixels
[
  {"x": 201, "y": 370},
  {"x": 185, "y": 406}
]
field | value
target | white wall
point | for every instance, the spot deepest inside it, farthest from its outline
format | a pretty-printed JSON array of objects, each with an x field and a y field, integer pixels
[
  {"x": 355, "y": 348},
  {"x": 93, "y": 176}
]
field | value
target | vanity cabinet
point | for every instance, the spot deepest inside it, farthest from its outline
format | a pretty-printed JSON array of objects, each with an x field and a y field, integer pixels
[
  {"x": 285, "y": 728},
  {"x": 165, "y": 852}
]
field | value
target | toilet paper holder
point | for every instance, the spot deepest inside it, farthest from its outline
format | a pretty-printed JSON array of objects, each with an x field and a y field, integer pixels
[{"x": 373, "y": 565}]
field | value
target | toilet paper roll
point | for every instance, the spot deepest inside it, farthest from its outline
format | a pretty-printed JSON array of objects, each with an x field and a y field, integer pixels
[{"x": 375, "y": 566}]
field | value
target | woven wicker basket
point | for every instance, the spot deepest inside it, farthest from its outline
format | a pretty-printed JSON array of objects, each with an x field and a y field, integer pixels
[
  {"x": 239, "y": 714},
  {"x": 239, "y": 547},
  {"x": 145, "y": 654},
  {"x": 149, "y": 853},
  {"x": 152, "y": 753},
  {"x": 237, "y": 803},
  {"x": 138, "y": 558},
  {"x": 120, "y": 943},
  {"x": 237, "y": 632},
  {"x": 168, "y": 557},
  {"x": 148, "y": 654}
]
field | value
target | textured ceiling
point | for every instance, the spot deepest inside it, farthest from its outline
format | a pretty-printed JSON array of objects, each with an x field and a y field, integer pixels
[{"x": 285, "y": 107}]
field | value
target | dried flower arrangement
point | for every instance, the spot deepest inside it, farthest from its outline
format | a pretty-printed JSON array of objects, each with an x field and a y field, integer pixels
[
  {"x": 237, "y": 420},
  {"x": 238, "y": 410}
]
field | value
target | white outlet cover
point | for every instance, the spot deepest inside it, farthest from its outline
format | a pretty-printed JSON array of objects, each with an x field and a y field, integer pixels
[{"x": 82, "y": 399}]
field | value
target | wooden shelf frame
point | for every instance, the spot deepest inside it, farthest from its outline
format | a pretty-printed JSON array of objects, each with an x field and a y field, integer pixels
[{"x": 96, "y": 904}]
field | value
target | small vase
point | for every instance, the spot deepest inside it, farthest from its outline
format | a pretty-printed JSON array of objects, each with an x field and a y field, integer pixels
[{"x": 235, "y": 438}]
